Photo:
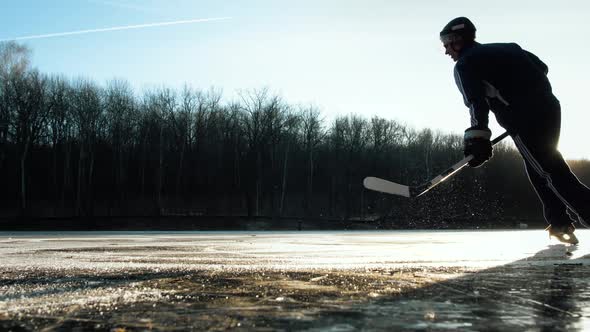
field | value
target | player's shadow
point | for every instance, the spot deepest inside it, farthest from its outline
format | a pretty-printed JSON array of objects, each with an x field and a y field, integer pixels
[{"x": 547, "y": 291}]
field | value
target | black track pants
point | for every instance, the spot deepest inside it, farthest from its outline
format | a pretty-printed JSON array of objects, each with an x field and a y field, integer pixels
[{"x": 557, "y": 187}]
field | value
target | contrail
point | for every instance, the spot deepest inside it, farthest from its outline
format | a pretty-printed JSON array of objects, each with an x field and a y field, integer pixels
[{"x": 139, "y": 26}]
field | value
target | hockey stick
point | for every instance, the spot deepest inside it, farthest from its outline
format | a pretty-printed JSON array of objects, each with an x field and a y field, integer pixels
[{"x": 393, "y": 188}]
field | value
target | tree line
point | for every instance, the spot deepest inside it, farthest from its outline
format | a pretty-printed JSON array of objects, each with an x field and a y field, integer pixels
[{"x": 72, "y": 147}]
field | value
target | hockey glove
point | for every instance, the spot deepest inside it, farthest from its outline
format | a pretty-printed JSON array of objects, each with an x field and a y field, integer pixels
[{"x": 477, "y": 143}]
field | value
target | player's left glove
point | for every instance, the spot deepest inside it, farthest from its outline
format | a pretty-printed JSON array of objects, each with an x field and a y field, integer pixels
[{"x": 477, "y": 143}]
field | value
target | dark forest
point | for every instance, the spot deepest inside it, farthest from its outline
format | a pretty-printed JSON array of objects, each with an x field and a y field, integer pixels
[{"x": 79, "y": 151}]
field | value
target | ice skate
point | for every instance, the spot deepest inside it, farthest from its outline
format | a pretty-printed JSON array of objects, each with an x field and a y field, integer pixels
[{"x": 563, "y": 234}]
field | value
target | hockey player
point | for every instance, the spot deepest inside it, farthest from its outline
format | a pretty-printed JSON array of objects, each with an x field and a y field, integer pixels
[{"x": 513, "y": 83}]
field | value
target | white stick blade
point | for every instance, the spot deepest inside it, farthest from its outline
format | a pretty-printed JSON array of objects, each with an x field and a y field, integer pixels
[{"x": 385, "y": 186}]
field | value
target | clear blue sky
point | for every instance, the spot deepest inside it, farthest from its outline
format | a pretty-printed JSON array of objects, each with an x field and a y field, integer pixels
[{"x": 372, "y": 57}]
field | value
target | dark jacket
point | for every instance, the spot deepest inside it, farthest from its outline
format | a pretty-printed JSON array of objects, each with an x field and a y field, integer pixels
[{"x": 510, "y": 81}]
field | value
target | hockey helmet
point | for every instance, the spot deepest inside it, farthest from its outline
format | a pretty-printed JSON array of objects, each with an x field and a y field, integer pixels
[{"x": 460, "y": 27}]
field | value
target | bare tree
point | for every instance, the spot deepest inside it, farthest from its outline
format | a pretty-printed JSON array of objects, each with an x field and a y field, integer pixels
[
  {"x": 88, "y": 117},
  {"x": 292, "y": 127},
  {"x": 182, "y": 127},
  {"x": 426, "y": 140},
  {"x": 14, "y": 65},
  {"x": 349, "y": 139},
  {"x": 30, "y": 106},
  {"x": 262, "y": 122},
  {"x": 313, "y": 134},
  {"x": 235, "y": 137},
  {"x": 214, "y": 135},
  {"x": 14, "y": 59},
  {"x": 274, "y": 123},
  {"x": 159, "y": 105},
  {"x": 60, "y": 128},
  {"x": 253, "y": 104},
  {"x": 120, "y": 111}
]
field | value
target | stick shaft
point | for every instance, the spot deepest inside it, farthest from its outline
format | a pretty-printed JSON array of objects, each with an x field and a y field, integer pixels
[{"x": 455, "y": 168}]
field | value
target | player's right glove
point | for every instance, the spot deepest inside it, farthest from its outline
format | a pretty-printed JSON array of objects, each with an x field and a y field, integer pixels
[{"x": 477, "y": 143}]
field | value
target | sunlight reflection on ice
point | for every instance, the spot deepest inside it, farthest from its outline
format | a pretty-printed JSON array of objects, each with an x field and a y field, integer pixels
[{"x": 276, "y": 250}]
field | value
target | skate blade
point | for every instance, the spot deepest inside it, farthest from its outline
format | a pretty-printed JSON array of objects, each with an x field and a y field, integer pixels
[{"x": 566, "y": 238}]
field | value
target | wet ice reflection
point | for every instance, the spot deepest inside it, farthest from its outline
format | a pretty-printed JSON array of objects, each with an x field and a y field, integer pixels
[{"x": 323, "y": 280}]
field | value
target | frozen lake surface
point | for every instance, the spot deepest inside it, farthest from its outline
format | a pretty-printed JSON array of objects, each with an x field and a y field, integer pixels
[{"x": 335, "y": 281}]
